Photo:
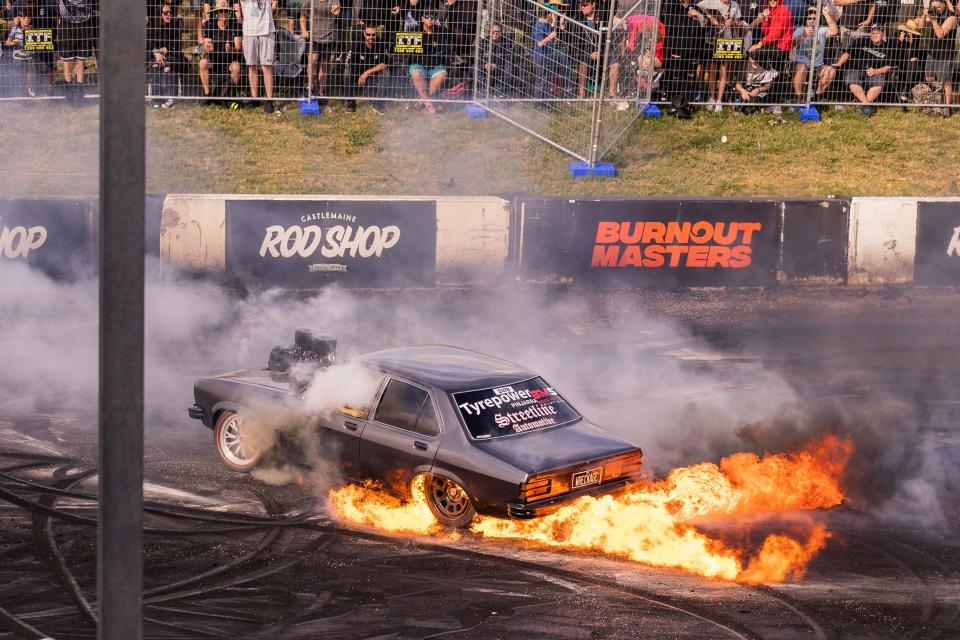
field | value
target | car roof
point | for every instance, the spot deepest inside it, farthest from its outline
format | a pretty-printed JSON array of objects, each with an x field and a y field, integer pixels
[{"x": 450, "y": 369}]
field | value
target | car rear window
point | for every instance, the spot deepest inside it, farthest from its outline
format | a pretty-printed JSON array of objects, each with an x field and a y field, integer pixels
[{"x": 509, "y": 410}]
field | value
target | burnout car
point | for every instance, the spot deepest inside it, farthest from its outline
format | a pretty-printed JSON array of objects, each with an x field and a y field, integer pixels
[{"x": 489, "y": 436}]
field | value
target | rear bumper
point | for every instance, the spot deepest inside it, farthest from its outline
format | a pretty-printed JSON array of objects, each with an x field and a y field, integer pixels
[
  {"x": 197, "y": 413},
  {"x": 526, "y": 510}
]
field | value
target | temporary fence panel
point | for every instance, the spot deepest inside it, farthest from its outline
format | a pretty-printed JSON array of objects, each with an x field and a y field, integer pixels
[
  {"x": 539, "y": 69},
  {"x": 631, "y": 70}
]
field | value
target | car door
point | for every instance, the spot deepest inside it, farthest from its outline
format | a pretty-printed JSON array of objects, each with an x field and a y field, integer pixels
[
  {"x": 338, "y": 435},
  {"x": 401, "y": 437}
]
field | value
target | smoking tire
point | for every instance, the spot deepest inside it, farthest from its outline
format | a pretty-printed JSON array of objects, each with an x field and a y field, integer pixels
[
  {"x": 448, "y": 501},
  {"x": 233, "y": 445}
]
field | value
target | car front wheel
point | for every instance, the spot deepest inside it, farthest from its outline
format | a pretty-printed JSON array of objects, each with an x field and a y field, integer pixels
[
  {"x": 234, "y": 441},
  {"x": 449, "y": 502}
]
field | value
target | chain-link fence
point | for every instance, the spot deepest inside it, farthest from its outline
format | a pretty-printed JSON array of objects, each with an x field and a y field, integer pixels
[{"x": 574, "y": 73}]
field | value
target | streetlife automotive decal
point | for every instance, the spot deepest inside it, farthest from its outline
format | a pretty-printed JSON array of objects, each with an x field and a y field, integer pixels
[
  {"x": 310, "y": 243},
  {"x": 513, "y": 409},
  {"x": 18, "y": 241},
  {"x": 654, "y": 244}
]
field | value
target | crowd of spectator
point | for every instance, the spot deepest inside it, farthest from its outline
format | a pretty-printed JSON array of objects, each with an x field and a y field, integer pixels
[{"x": 714, "y": 53}]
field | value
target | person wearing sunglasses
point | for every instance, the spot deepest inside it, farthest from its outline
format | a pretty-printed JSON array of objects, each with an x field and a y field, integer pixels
[
  {"x": 368, "y": 60},
  {"x": 428, "y": 70}
]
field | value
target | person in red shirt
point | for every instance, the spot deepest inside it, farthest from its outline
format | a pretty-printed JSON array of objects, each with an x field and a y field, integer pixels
[{"x": 773, "y": 50}]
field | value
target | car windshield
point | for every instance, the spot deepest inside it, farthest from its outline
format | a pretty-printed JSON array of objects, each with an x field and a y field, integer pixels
[{"x": 517, "y": 408}]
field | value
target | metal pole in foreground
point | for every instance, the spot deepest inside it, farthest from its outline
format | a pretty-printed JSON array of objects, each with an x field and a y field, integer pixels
[{"x": 120, "y": 530}]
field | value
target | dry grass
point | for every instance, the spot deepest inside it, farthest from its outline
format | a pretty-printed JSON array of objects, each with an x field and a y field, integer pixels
[{"x": 209, "y": 149}]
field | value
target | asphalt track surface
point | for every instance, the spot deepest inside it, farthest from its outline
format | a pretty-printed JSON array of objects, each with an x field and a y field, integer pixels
[{"x": 230, "y": 557}]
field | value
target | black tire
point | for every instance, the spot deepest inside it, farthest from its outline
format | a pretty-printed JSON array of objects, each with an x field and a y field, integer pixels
[
  {"x": 448, "y": 501},
  {"x": 228, "y": 440}
]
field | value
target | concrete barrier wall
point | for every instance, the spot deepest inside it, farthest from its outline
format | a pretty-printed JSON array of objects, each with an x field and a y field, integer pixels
[
  {"x": 472, "y": 245},
  {"x": 486, "y": 241}
]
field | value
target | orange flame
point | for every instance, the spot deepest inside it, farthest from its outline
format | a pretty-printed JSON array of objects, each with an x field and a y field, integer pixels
[{"x": 653, "y": 524}]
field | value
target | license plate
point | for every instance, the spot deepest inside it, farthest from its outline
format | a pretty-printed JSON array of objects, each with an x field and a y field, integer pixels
[{"x": 586, "y": 478}]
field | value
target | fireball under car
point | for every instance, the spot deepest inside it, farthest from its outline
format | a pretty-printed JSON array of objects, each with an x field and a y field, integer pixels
[{"x": 489, "y": 436}]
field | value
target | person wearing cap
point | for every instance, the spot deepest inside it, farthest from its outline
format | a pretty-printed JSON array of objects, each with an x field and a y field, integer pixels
[
  {"x": 868, "y": 62},
  {"x": 428, "y": 70},
  {"x": 910, "y": 58},
  {"x": 220, "y": 53},
  {"x": 942, "y": 54},
  {"x": 809, "y": 44}
]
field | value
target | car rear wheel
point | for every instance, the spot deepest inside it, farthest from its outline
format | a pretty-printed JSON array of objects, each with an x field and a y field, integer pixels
[
  {"x": 449, "y": 502},
  {"x": 234, "y": 443}
]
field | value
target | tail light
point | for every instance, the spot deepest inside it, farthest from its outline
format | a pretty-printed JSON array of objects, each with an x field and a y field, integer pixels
[
  {"x": 536, "y": 488},
  {"x": 627, "y": 464}
]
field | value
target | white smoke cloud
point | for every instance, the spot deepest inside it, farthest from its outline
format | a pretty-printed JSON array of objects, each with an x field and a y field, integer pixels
[{"x": 649, "y": 380}]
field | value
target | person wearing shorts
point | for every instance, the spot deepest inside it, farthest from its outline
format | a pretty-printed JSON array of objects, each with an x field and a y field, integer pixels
[
  {"x": 259, "y": 45},
  {"x": 220, "y": 64},
  {"x": 76, "y": 42},
  {"x": 428, "y": 70},
  {"x": 942, "y": 56},
  {"x": 870, "y": 59},
  {"x": 805, "y": 40},
  {"x": 323, "y": 33}
]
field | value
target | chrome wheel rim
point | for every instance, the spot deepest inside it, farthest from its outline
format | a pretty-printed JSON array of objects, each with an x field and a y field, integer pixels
[
  {"x": 235, "y": 445},
  {"x": 447, "y": 497}
]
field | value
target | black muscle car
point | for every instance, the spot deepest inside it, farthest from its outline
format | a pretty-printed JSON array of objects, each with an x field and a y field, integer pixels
[{"x": 489, "y": 436}]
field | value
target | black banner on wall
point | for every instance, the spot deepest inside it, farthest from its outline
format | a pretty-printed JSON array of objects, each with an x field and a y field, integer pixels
[
  {"x": 52, "y": 235},
  {"x": 938, "y": 243},
  {"x": 677, "y": 243},
  {"x": 313, "y": 243},
  {"x": 815, "y": 236}
]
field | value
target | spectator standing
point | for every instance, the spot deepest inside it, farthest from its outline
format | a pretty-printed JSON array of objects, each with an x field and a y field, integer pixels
[
  {"x": 684, "y": 49},
  {"x": 77, "y": 33},
  {"x": 165, "y": 55},
  {"x": 43, "y": 15},
  {"x": 546, "y": 53},
  {"x": 773, "y": 50},
  {"x": 496, "y": 54},
  {"x": 857, "y": 16},
  {"x": 909, "y": 57},
  {"x": 870, "y": 60},
  {"x": 726, "y": 21},
  {"x": 259, "y": 45},
  {"x": 220, "y": 63},
  {"x": 942, "y": 55},
  {"x": 323, "y": 33},
  {"x": 806, "y": 39},
  {"x": 459, "y": 19},
  {"x": 428, "y": 70},
  {"x": 368, "y": 68},
  {"x": 587, "y": 46},
  {"x": 15, "y": 44}
]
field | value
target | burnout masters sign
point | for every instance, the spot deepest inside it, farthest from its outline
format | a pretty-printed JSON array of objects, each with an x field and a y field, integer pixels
[{"x": 676, "y": 243}]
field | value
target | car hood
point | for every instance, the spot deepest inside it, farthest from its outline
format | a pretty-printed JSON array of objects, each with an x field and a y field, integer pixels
[
  {"x": 260, "y": 378},
  {"x": 565, "y": 446}
]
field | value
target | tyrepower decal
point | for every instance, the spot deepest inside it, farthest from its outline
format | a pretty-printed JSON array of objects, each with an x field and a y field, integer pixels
[
  {"x": 655, "y": 244},
  {"x": 510, "y": 410}
]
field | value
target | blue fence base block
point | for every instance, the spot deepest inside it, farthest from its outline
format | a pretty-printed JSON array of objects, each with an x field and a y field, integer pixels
[
  {"x": 309, "y": 108},
  {"x": 809, "y": 114},
  {"x": 476, "y": 111},
  {"x": 583, "y": 169},
  {"x": 651, "y": 111}
]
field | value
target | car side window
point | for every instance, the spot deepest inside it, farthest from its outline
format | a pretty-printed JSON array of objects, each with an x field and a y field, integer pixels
[
  {"x": 428, "y": 424},
  {"x": 400, "y": 405}
]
